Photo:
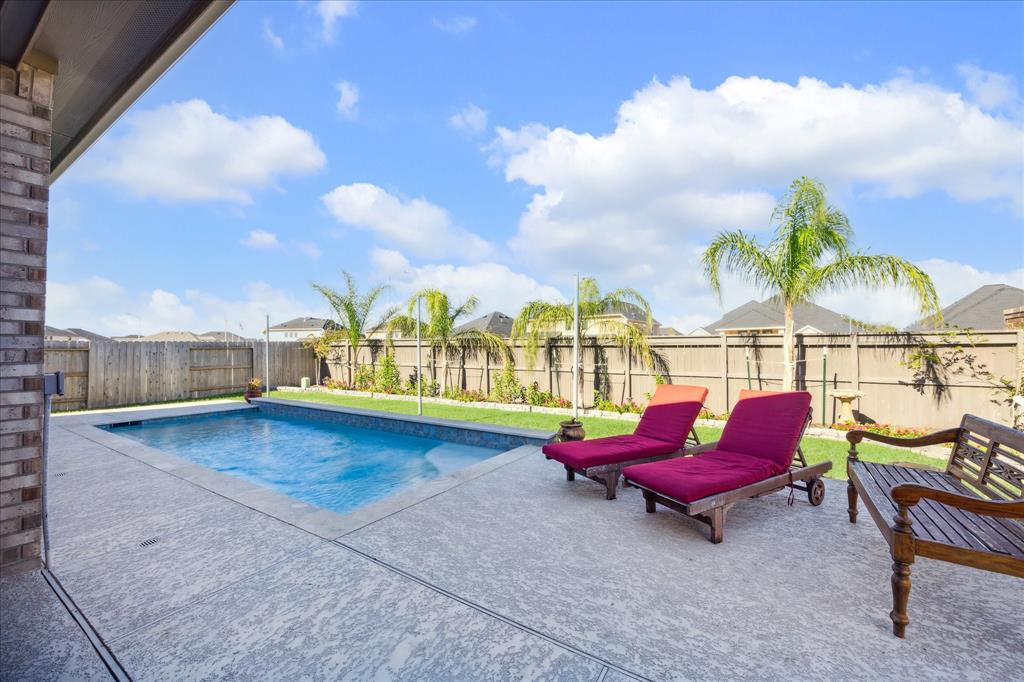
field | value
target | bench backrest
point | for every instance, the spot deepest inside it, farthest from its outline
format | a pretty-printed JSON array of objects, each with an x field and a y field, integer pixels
[{"x": 989, "y": 458}]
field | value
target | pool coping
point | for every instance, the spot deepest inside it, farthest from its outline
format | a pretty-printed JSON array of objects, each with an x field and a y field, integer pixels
[{"x": 323, "y": 523}]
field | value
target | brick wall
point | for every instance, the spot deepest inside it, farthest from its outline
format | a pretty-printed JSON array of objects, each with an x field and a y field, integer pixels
[
  {"x": 1014, "y": 318},
  {"x": 25, "y": 105}
]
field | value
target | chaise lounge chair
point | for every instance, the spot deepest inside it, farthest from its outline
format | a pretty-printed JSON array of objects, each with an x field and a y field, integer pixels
[
  {"x": 661, "y": 433},
  {"x": 753, "y": 457}
]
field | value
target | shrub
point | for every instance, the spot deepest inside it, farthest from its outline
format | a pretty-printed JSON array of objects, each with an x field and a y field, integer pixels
[
  {"x": 540, "y": 398},
  {"x": 883, "y": 429},
  {"x": 363, "y": 380},
  {"x": 387, "y": 378},
  {"x": 507, "y": 388},
  {"x": 331, "y": 382},
  {"x": 608, "y": 406},
  {"x": 466, "y": 395}
]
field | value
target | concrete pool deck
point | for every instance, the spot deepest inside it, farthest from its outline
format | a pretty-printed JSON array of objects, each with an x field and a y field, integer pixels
[{"x": 509, "y": 573}]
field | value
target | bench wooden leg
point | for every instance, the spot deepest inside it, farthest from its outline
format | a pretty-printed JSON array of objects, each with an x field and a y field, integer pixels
[
  {"x": 851, "y": 498},
  {"x": 900, "y": 597},
  {"x": 611, "y": 482},
  {"x": 570, "y": 473},
  {"x": 649, "y": 501},
  {"x": 716, "y": 517}
]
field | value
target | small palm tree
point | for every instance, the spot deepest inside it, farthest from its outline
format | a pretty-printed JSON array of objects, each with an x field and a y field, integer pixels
[
  {"x": 353, "y": 312},
  {"x": 809, "y": 256},
  {"x": 540, "y": 322},
  {"x": 439, "y": 330}
]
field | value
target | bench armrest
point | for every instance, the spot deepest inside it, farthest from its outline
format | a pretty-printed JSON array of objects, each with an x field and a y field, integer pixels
[
  {"x": 909, "y": 494},
  {"x": 945, "y": 436}
]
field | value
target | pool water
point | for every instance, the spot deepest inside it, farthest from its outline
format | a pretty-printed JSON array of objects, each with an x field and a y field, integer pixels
[{"x": 334, "y": 466}]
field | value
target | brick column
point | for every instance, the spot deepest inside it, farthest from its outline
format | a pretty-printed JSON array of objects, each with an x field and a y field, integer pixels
[{"x": 25, "y": 106}]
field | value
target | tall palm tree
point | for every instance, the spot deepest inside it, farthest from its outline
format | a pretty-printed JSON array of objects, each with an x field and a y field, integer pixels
[
  {"x": 353, "y": 311},
  {"x": 540, "y": 322},
  {"x": 439, "y": 329},
  {"x": 809, "y": 256}
]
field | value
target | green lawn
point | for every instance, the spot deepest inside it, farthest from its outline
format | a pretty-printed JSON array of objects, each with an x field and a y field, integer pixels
[{"x": 815, "y": 449}]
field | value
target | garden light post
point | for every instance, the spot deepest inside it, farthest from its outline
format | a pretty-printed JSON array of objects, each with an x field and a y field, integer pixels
[
  {"x": 576, "y": 351},
  {"x": 824, "y": 380},
  {"x": 419, "y": 362}
]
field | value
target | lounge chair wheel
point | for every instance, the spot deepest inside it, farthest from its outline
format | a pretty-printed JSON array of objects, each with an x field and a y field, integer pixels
[{"x": 815, "y": 491}]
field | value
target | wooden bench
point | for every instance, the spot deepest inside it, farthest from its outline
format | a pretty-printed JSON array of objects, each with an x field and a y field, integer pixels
[{"x": 972, "y": 513}]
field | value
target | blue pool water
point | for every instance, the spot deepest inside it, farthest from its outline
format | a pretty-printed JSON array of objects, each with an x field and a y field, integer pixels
[{"x": 334, "y": 466}]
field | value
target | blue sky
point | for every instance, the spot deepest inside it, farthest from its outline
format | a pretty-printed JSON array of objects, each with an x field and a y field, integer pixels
[{"x": 495, "y": 149}]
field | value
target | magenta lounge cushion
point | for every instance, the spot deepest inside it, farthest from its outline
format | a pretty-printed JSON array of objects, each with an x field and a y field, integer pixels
[
  {"x": 692, "y": 478},
  {"x": 611, "y": 450},
  {"x": 671, "y": 413},
  {"x": 766, "y": 424}
]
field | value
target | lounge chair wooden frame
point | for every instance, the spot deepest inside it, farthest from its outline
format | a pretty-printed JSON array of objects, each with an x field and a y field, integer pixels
[
  {"x": 608, "y": 475},
  {"x": 712, "y": 510},
  {"x": 970, "y": 514}
]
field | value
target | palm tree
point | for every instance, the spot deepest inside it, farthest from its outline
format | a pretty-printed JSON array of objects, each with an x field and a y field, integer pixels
[
  {"x": 439, "y": 329},
  {"x": 353, "y": 312},
  {"x": 544, "y": 321},
  {"x": 809, "y": 255}
]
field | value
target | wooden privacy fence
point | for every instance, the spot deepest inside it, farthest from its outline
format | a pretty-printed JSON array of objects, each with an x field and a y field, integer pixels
[
  {"x": 873, "y": 363},
  {"x": 117, "y": 373}
]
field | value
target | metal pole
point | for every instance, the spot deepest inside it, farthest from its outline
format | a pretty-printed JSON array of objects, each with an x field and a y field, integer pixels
[
  {"x": 824, "y": 379},
  {"x": 419, "y": 363},
  {"x": 266, "y": 355},
  {"x": 576, "y": 351},
  {"x": 746, "y": 353},
  {"x": 48, "y": 402}
]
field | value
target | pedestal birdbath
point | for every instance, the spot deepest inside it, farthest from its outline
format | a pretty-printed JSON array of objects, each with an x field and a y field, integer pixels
[{"x": 845, "y": 399}]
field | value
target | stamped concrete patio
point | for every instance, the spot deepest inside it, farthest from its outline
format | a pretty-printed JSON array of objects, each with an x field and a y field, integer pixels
[{"x": 504, "y": 571}]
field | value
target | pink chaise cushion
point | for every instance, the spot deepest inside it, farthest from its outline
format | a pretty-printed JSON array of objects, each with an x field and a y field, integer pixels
[
  {"x": 671, "y": 413},
  {"x": 662, "y": 430},
  {"x": 582, "y": 454},
  {"x": 766, "y": 424},
  {"x": 692, "y": 478}
]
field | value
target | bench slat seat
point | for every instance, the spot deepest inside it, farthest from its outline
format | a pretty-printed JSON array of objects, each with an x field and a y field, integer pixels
[
  {"x": 971, "y": 514},
  {"x": 936, "y": 522}
]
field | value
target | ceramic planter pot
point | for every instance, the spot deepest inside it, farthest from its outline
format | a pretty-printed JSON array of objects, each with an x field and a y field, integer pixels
[
  {"x": 571, "y": 430},
  {"x": 253, "y": 393}
]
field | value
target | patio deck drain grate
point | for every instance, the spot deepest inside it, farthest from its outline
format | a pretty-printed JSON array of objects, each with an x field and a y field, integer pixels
[
  {"x": 62, "y": 474},
  {"x": 149, "y": 542}
]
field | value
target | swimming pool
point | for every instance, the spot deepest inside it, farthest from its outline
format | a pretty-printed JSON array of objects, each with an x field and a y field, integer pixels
[{"x": 333, "y": 465}]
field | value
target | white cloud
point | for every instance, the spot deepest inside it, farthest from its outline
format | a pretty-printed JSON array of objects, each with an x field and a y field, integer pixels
[
  {"x": 683, "y": 162},
  {"x": 459, "y": 24},
  {"x": 184, "y": 151},
  {"x": 268, "y": 34},
  {"x": 329, "y": 12},
  {"x": 989, "y": 89},
  {"x": 348, "y": 99},
  {"x": 470, "y": 119},
  {"x": 261, "y": 239},
  {"x": 309, "y": 249},
  {"x": 413, "y": 224},
  {"x": 102, "y": 306},
  {"x": 498, "y": 287}
]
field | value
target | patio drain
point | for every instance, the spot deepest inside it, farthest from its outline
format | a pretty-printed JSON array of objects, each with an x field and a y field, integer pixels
[
  {"x": 61, "y": 474},
  {"x": 149, "y": 542}
]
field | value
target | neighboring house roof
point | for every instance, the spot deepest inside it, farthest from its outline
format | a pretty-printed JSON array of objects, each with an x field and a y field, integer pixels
[
  {"x": 981, "y": 309},
  {"x": 303, "y": 324},
  {"x": 221, "y": 336},
  {"x": 127, "y": 337},
  {"x": 56, "y": 334},
  {"x": 171, "y": 336},
  {"x": 496, "y": 323},
  {"x": 769, "y": 315},
  {"x": 88, "y": 335}
]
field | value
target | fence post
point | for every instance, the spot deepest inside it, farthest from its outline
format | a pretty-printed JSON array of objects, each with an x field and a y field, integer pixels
[
  {"x": 725, "y": 370},
  {"x": 629, "y": 375},
  {"x": 487, "y": 373},
  {"x": 1020, "y": 374}
]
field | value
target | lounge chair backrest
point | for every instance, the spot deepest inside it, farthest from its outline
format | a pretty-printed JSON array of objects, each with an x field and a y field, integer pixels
[
  {"x": 671, "y": 413},
  {"x": 767, "y": 424}
]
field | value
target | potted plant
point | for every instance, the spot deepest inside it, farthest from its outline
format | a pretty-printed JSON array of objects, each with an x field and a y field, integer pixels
[
  {"x": 571, "y": 430},
  {"x": 254, "y": 389}
]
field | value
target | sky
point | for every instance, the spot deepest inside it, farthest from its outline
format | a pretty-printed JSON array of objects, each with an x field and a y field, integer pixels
[{"x": 495, "y": 150}]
